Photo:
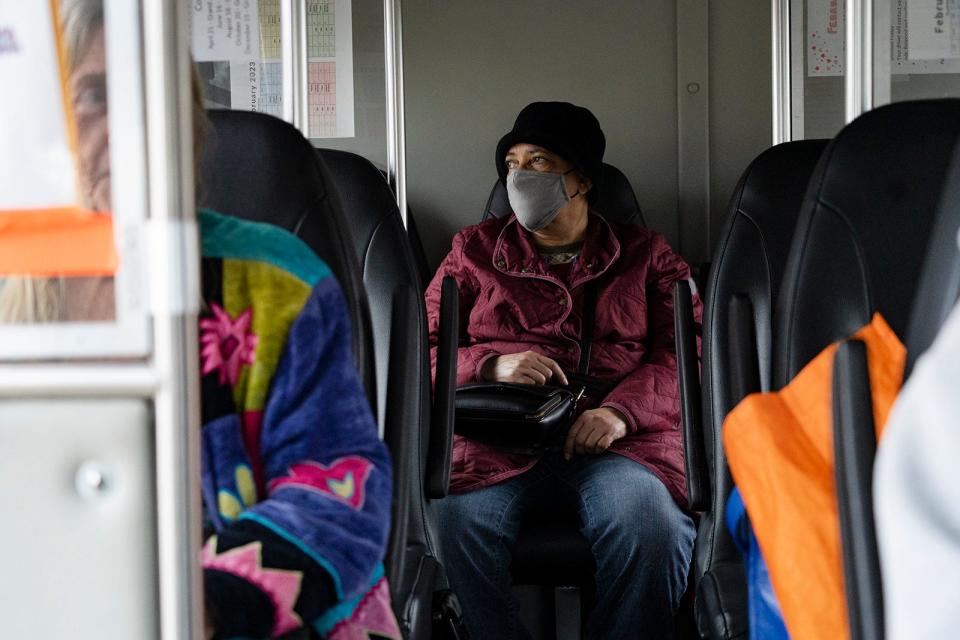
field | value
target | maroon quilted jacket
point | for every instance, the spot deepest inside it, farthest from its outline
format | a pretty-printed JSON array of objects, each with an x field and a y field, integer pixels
[{"x": 510, "y": 301}]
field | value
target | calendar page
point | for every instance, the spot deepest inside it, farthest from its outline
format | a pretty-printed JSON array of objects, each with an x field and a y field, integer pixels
[{"x": 237, "y": 46}]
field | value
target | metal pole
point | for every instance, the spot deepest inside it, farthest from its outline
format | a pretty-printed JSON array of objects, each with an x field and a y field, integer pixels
[
  {"x": 174, "y": 290},
  {"x": 302, "y": 88},
  {"x": 780, "y": 54},
  {"x": 858, "y": 74},
  {"x": 396, "y": 135},
  {"x": 293, "y": 62},
  {"x": 288, "y": 55}
]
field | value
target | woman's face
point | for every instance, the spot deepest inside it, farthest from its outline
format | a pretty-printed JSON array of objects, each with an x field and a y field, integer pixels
[
  {"x": 533, "y": 158},
  {"x": 88, "y": 86}
]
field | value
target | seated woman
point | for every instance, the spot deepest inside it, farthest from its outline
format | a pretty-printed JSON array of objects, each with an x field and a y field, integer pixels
[
  {"x": 296, "y": 484},
  {"x": 521, "y": 281}
]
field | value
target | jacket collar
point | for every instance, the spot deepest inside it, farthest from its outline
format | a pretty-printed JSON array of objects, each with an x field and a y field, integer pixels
[{"x": 515, "y": 252}]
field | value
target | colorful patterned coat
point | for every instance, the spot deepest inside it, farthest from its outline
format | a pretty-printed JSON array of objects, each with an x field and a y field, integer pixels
[{"x": 296, "y": 483}]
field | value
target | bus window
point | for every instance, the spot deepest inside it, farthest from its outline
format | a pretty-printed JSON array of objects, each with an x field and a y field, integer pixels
[
  {"x": 75, "y": 297},
  {"x": 74, "y": 195},
  {"x": 243, "y": 56}
]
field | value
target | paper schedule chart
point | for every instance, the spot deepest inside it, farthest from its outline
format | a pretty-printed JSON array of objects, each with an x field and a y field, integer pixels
[{"x": 237, "y": 46}]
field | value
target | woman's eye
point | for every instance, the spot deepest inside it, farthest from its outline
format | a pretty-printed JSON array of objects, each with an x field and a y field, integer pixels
[
  {"x": 90, "y": 100},
  {"x": 511, "y": 164}
]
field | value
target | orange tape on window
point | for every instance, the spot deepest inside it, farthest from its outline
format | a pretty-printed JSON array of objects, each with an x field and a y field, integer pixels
[{"x": 57, "y": 242}]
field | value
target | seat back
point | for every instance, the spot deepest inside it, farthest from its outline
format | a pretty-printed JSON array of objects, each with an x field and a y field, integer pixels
[
  {"x": 261, "y": 168},
  {"x": 854, "y": 428},
  {"x": 939, "y": 286},
  {"x": 419, "y": 255},
  {"x": 392, "y": 280},
  {"x": 858, "y": 249},
  {"x": 380, "y": 246},
  {"x": 863, "y": 231},
  {"x": 617, "y": 201},
  {"x": 737, "y": 343}
]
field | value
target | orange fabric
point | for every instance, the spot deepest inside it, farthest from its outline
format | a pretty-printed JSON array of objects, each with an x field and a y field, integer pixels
[
  {"x": 780, "y": 450},
  {"x": 52, "y": 242}
]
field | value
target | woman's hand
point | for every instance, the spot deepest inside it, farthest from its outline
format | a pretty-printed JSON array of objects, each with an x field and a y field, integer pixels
[
  {"x": 594, "y": 431},
  {"x": 528, "y": 367}
]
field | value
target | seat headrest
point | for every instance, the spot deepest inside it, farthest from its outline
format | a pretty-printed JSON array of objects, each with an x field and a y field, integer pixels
[
  {"x": 364, "y": 193},
  {"x": 751, "y": 255},
  {"x": 863, "y": 229},
  {"x": 260, "y": 168},
  {"x": 939, "y": 286},
  {"x": 617, "y": 201}
]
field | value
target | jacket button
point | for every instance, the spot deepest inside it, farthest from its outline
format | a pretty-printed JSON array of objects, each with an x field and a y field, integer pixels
[
  {"x": 570, "y": 348},
  {"x": 501, "y": 264},
  {"x": 563, "y": 302}
]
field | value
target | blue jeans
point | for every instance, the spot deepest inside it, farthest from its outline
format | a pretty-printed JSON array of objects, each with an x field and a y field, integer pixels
[{"x": 641, "y": 540}]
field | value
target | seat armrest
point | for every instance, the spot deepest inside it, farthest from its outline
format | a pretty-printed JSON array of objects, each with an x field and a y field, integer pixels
[
  {"x": 855, "y": 446},
  {"x": 691, "y": 410},
  {"x": 441, "y": 431}
]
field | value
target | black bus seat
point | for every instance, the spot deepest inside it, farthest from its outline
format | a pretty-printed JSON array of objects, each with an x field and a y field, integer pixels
[
  {"x": 859, "y": 247},
  {"x": 737, "y": 346},
  {"x": 937, "y": 293},
  {"x": 939, "y": 286},
  {"x": 863, "y": 231},
  {"x": 419, "y": 255},
  {"x": 260, "y": 168},
  {"x": 394, "y": 288}
]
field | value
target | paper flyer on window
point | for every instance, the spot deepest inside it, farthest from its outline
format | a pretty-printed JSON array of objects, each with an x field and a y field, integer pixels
[
  {"x": 228, "y": 42},
  {"x": 925, "y": 37},
  {"x": 825, "y": 38},
  {"x": 28, "y": 61},
  {"x": 934, "y": 29},
  {"x": 236, "y": 44}
]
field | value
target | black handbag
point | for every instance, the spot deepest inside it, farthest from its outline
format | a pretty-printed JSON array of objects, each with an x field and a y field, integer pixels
[
  {"x": 526, "y": 418},
  {"x": 521, "y": 418}
]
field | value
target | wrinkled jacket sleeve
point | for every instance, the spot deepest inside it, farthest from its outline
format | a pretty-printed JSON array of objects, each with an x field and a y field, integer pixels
[
  {"x": 470, "y": 358},
  {"x": 649, "y": 396},
  {"x": 318, "y": 532}
]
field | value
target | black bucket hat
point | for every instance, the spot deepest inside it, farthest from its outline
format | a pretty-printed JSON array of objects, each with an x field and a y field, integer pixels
[{"x": 568, "y": 130}]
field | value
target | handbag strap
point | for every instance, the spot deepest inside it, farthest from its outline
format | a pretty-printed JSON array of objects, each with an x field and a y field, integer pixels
[{"x": 590, "y": 291}]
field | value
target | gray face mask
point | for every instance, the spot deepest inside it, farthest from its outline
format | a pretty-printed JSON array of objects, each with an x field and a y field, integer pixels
[{"x": 536, "y": 196}]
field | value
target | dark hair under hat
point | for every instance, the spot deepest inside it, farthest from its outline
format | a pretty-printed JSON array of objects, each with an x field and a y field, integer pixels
[{"x": 563, "y": 128}]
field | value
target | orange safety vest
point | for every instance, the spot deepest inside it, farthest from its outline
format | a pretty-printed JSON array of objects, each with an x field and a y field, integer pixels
[{"x": 780, "y": 450}]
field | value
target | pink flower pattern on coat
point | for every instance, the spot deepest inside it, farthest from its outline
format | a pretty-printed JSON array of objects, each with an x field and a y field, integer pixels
[{"x": 227, "y": 344}]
